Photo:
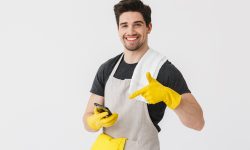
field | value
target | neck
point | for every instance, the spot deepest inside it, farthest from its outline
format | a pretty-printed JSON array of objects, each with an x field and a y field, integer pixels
[{"x": 132, "y": 57}]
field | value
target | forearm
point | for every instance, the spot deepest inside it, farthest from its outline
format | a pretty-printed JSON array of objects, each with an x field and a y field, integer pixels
[{"x": 190, "y": 112}]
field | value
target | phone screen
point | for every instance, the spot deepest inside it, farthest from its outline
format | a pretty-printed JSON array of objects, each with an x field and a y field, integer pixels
[{"x": 101, "y": 108}]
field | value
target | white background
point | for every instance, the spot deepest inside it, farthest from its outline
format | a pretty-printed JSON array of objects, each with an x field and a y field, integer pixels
[{"x": 50, "y": 51}]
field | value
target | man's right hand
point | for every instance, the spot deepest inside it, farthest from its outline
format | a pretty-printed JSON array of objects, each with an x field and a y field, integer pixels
[{"x": 99, "y": 120}]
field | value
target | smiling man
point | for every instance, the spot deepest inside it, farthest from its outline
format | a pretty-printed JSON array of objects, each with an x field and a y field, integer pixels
[
  {"x": 133, "y": 31},
  {"x": 137, "y": 86}
]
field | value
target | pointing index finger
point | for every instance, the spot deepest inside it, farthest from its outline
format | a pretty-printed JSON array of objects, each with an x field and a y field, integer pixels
[{"x": 137, "y": 93}]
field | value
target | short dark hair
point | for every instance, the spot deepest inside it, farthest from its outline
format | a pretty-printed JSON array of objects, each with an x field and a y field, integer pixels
[{"x": 134, "y": 6}]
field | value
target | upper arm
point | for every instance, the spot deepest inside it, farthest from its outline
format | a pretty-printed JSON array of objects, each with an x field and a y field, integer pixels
[{"x": 99, "y": 81}]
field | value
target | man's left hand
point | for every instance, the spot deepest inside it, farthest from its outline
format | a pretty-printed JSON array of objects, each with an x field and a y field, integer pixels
[{"x": 155, "y": 92}]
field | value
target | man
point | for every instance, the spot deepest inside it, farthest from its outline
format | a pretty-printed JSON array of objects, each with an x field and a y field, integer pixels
[{"x": 134, "y": 124}]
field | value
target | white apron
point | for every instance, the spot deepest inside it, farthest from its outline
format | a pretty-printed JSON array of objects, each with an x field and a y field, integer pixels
[{"x": 133, "y": 122}]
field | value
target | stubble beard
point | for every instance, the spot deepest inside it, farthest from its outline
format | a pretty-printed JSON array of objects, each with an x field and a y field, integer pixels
[{"x": 133, "y": 48}]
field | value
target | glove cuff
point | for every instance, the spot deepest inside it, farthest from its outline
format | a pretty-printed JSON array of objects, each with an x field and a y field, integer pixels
[{"x": 173, "y": 98}]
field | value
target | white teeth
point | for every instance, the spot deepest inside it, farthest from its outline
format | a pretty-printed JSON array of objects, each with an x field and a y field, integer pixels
[{"x": 131, "y": 39}]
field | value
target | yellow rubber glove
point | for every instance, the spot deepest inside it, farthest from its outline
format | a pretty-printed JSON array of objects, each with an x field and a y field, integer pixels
[
  {"x": 94, "y": 121},
  {"x": 109, "y": 121},
  {"x": 99, "y": 120},
  {"x": 155, "y": 92},
  {"x": 106, "y": 142}
]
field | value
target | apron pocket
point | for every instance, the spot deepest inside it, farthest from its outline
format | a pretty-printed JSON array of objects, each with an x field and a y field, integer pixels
[
  {"x": 131, "y": 145},
  {"x": 106, "y": 142}
]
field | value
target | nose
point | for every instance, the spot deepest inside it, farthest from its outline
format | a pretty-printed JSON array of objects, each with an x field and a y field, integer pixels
[{"x": 131, "y": 30}]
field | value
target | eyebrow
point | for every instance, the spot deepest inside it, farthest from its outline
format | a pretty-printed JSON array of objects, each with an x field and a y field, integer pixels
[
  {"x": 124, "y": 23},
  {"x": 139, "y": 22}
]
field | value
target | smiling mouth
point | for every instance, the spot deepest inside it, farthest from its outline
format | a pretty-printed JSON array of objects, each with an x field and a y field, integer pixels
[{"x": 131, "y": 39}]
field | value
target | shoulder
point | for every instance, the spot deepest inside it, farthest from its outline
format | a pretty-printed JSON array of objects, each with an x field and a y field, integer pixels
[
  {"x": 108, "y": 65},
  {"x": 171, "y": 77},
  {"x": 102, "y": 75},
  {"x": 106, "y": 68},
  {"x": 168, "y": 68}
]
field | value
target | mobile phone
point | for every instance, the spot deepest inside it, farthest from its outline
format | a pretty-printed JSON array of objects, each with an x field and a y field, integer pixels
[{"x": 101, "y": 108}]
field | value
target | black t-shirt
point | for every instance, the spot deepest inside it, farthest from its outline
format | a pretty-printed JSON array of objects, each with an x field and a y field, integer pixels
[{"x": 168, "y": 75}]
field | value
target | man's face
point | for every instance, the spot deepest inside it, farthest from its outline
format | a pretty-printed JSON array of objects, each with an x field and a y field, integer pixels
[{"x": 133, "y": 31}]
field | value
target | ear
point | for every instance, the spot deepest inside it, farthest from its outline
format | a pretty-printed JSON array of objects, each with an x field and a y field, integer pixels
[{"x": 149, "y": 27}]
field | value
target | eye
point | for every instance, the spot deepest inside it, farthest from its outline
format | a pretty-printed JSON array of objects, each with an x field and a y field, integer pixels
[
  {"x": 138, "y": 24},
  {"x": 124, "y": 26}
]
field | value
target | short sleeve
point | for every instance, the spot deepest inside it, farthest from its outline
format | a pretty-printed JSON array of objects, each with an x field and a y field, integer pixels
[
  {"x": 102, "y": 75},
  {"x": 171, "y": 77},
  {"x": 98, "y": 83}
]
